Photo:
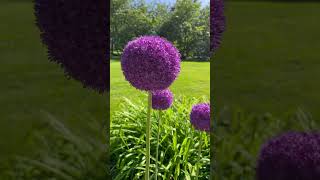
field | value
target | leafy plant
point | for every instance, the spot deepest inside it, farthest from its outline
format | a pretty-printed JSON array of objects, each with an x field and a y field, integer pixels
[
  {"x": 64, "y": 154},
  {"x": 178, "y": 148}
]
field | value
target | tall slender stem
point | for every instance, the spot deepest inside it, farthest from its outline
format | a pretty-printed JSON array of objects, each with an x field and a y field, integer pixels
[
  {"x": 148, "y": 128},
  {"x": 157, "y": 150},
  {"x": 199, "y": 153}
]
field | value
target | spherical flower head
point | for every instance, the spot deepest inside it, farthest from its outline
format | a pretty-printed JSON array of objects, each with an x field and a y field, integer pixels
[
  {"x": 77, "y": 37},
  {"x": 162, "y": 99},
  {"x": 150, "y": 63},
  {"x": 290, "y": 156},
  {"x": 200, "y": 117},
  {"x": 217, "y": 23}
]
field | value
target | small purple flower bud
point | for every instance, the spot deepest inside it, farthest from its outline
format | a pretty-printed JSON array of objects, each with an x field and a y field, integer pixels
[
  {"x": 162, "y": 99},
  {"x": 150, "y": 63},
  {"x": 290, "y": 156},
  {"x": 200, "y": 117}
]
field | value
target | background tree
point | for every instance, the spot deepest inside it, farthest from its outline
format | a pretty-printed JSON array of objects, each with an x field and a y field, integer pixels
[
  {"x": 181, "y": 28},
  {"x": 202, "y": 34},
  {"x": 118, "y": 15},
  {"x": 186, "y": 24}
]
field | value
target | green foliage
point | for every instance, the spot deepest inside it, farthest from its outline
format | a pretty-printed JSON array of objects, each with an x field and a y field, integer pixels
[
  {"x": 179, "y": 142},
  {"x": 128, "y": 21},
  {"x": 64, "y": 155},
  {"x": 188, "y": 27},
  {"x": 186, "y": 24},
  {"x": 240, "y": 135}
]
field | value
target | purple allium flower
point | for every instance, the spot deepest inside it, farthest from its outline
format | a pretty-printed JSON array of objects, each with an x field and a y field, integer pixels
[
  {"x": 217, "y": 23},
  {"x": 290, "y": 156},
  {"x": 162, "y": 99},
  {"x": 150, "y": 63},
  {"x": 200, "y": 116},
  {"x": 76, "y": 33}
]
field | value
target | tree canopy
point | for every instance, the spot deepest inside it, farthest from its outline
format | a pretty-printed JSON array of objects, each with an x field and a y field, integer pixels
[{"x": 185, "y": 23}]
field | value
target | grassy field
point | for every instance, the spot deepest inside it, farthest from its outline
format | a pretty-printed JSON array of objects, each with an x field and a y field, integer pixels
[{"x": 269, "y": 59}]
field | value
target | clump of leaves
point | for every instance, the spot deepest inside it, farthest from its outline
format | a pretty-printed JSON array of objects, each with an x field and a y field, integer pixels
[
  {"x": 240, "y": 135},
  {"x": 179, "y": 142},
  {"x": 64, "y": 154}
]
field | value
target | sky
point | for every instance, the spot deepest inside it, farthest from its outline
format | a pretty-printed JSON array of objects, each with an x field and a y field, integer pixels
[{"x": 203, "y": 2}]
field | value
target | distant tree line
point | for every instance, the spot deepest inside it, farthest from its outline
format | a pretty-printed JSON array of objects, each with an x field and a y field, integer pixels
[{"x": 184, "y": 23}]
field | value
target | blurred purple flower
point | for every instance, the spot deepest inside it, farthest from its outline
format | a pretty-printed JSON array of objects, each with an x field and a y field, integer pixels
[
  {"x": 290, "y": 156},
  {"x": 217, "y": 23},
  {"x": 162, "y": 99},
  {"x": 150, "y": 63},
  {"x": 76, "y": 33},
  {"x": 200, "y": 117}
]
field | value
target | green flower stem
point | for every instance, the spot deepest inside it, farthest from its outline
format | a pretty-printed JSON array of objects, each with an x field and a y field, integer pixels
[
  {"x": 157, "y": 150},
  {"x": 148, "y": 128},
  {"x": 199, "y": 153}
]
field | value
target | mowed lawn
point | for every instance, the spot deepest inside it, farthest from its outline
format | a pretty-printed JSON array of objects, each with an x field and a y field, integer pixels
[
  {"x": 269, "y": 60},
  {"x": 193, "y": 81}
]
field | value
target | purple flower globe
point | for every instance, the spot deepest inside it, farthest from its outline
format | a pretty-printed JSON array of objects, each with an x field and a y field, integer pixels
[
  {"x": 76, "y": 33},
  {"x": 200, "y": 117},
  {"x": 162, "y": 99},
  {"x": 150, "y": 63},
  {"x": 217, "y": 23},
  {"x": 290, "y": 156}
]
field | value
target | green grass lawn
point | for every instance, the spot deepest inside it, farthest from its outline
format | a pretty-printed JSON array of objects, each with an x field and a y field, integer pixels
[{"x": 269, "y": 60}]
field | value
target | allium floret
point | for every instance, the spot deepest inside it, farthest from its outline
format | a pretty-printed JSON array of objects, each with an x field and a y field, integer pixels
[
  {"x": 162, "y": 99},
  {"x": 150, "y": 63},
  {"x": 290, "y": 156},
  {"x": 77, "y": 37},
  {"x": 200, "y": 117}
]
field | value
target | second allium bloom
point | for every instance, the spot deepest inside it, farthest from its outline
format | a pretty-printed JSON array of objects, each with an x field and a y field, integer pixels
[
  {"x": 162, "y": 99},
  {"x": 150, "y": 63},
  {"x": 200, "y": 117}
]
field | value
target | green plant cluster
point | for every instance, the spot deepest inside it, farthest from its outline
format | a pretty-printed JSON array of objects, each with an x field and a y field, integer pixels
[
  {"x": 178, "y": 148},
  {"x": 63, "y": 155}
]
